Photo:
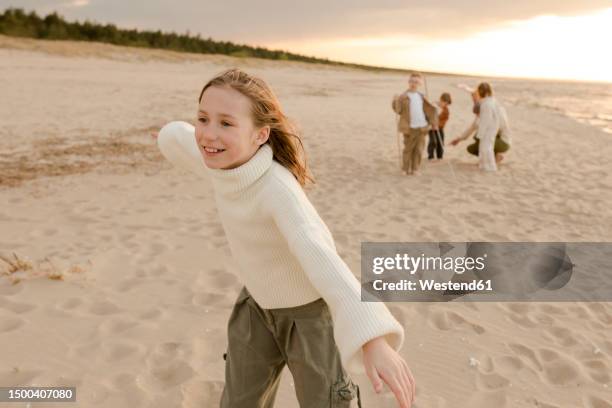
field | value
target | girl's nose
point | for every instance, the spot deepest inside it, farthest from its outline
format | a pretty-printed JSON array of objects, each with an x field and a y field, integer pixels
[{"x": 205, "y": 134}]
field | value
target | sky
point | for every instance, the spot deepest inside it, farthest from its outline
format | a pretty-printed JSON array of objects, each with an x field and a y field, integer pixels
[{"x": 549, "y": 39}]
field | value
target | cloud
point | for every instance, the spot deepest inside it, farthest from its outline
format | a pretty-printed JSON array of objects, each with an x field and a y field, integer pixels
[
  {"x": 76, "y": 3},
  {"x": 271, "y": 21}
]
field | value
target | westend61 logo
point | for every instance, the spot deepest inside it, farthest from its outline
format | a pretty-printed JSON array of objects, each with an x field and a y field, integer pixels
[{"x": 485, "y": 271}]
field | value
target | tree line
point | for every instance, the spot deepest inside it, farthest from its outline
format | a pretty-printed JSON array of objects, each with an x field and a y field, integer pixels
[{"x": 18, "y": 23}]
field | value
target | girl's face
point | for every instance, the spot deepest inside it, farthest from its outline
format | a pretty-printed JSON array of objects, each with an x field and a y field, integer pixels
[{"x": 225, "y": 132}]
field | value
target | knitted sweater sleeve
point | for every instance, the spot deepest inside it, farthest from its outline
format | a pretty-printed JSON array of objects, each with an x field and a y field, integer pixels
[
  {"x": 309, "y": 240},
  {"x": 176, "y": 142}
]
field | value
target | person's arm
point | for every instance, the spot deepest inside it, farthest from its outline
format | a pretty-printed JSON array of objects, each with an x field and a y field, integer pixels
[
  {"x": 432, "y": 116},
  {"x": 366, "y": 333},
  {"x": 176, "y": 142},
  {"x": 487, "y": 131},
  {"x": 467, "y": 133},
  {"x": 398, "y": 104}
]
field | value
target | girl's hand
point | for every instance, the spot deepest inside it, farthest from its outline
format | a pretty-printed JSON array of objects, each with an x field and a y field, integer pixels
[
  {"x": 455, "y": 142},
  {"x": 382, "y": 363}
]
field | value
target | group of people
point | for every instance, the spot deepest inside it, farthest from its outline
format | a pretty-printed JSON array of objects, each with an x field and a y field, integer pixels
[{"x": 418, "y": 118}]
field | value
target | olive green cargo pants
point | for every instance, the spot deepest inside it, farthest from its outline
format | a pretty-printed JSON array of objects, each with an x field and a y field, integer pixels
[{"x": 262, "y": 341}]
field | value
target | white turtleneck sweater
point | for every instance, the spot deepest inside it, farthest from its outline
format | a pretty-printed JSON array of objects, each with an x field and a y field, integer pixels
[{"x": 285, "y": 253}]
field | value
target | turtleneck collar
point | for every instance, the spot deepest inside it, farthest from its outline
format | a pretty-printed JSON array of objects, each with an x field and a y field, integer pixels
[{"x": 232, "y": 181}]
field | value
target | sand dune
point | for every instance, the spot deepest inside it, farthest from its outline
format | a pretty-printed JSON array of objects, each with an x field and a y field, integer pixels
[{"x": 126, "y": 281}]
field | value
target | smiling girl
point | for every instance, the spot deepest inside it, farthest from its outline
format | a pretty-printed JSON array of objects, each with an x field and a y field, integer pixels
[{"x": 300, "y": 305}]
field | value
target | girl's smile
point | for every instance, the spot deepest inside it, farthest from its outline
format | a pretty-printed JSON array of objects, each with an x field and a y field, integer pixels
[{"x": 211, "y": 151}]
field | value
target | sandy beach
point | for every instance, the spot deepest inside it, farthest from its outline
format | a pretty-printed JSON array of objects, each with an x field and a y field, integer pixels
[{"x": 122, "y": 281}]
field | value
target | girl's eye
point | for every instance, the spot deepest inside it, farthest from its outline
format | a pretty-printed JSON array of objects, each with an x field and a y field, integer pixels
[
  {"x": 203, "y": 120},
  {"x": 225, "y": 124}
]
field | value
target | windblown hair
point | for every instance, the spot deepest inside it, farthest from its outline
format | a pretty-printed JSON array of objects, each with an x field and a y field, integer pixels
[
  {"x": 485, "y": 89},
  {"x": 446, "y": 97},
  {"x": 284, "y": 138}
]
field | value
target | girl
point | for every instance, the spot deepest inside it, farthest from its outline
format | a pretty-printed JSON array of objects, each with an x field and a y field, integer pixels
[{"x": 300, "y": 304}]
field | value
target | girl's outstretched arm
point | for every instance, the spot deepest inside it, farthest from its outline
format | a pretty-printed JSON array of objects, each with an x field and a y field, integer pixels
[
  {"x": 177, "y": 143},
  {"x": 366, "y": 333}
]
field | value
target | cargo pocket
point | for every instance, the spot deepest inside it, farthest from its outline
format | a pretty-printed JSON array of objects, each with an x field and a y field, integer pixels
[{"x": 343, "y": 392}]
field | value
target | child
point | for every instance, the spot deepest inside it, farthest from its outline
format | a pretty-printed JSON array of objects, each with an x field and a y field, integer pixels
[
  {"x": 416, "y": 115},
  {"x": 436, "y": 138},
  {"x": 301, "y": 304}
]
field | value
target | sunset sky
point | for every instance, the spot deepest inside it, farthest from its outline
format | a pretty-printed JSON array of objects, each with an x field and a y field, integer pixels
[{"x": 552, "y": 39}]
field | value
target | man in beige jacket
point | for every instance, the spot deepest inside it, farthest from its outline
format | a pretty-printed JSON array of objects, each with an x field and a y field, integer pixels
[{"x": 416, "y": 116}]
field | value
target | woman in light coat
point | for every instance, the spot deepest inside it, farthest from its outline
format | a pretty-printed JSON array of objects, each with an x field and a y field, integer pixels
[{"x": 491, "y": 128}]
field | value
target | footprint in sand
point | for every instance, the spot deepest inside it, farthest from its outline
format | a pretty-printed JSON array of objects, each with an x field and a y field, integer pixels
[
  {"x": 552, "y": 309},
  {"x": 103, "y": 307},
  {"x": 116, "y": 326},
  {"x": 397, "y": 218},
  {"x": 593, "y": 401},
  {"x": 540, "y": 404},
  {"x": 8, "y": 324},
  {"x": 491, "y": 381},
  {"x": 133, "y": 246},
  {"x": 517, "y": 308},
  {"x": 221, "y": 279},
  {"x": 198, "y": 394},
  {"x": 165, "y": 367},
  {"x": 580, "y": 312},
  {"x": 443, "y": 320},
  {"x": 157, "y": 248},
  {"x": 598, "y": 370},
  {"x": 88, "y": 350},
  {"x": 562, "y": 336},
  {"x": 128, "y": 284},
  {"x": 602, "y": 313},
  {"x": 120, "y": 351},
  {"x": 527, "y": 356},
  {"x": 129, "y": 389},
  {"x": 208, "y": 299},
  {"x": 524, "y": 320},
  {"x": 559, "y": 369},
  {"x": 18, "y": 376},
  {"x": 70, "y": 304},
  {"x": 16, "y": 307},
  {"x": 158, "y": 271},
  {"x": 152, "y": 314}
]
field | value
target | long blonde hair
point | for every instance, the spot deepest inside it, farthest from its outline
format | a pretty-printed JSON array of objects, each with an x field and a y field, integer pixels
[{"x": 284, "y": 138}]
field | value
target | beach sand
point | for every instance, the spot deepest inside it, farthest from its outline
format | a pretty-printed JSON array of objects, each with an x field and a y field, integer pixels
[{"x": 125, "y": 281}]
